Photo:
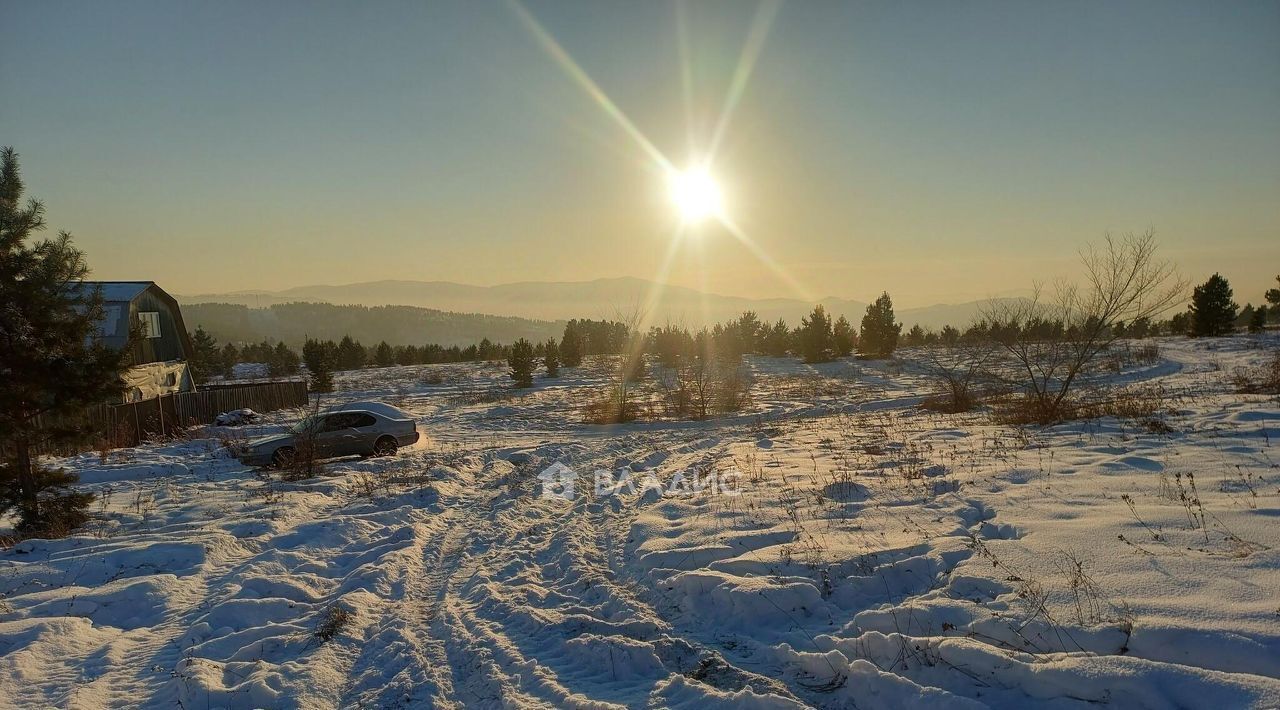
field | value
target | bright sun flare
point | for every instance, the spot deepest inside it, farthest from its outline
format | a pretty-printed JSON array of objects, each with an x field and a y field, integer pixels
[{"x": 696, "y": 194}]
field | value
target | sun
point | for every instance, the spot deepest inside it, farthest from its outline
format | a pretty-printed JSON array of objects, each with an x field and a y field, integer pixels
[{"x": 696, "y": 194}]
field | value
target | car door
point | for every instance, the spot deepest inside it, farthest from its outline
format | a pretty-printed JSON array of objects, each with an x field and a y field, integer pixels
[
  {"x": 364, "y": 430},
  {"x": 332, "y": 434}
]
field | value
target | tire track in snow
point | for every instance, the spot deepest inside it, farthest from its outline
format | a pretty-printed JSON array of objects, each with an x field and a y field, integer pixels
[
  {"x": 531, "y": 617},
  {"x": 400, "y": 663},
  {"x": 155, "y": 658}
]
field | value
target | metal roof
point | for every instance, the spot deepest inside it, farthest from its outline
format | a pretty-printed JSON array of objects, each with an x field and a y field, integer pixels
[{"x": 118, "y": 291}]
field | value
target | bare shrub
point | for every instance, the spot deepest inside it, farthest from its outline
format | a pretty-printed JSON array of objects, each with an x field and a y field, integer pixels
[
  {"x": 1189, "y": 497},
  {"x": 1022, "y": 409},
  {"x": 475, "y": 393},
  {"x": 1258, "y": 380},
  {"x": 957, "y": 369},
  {"x": 1053, "y": 340},
  {"x": 619, "y": 404},
  {"x": 432, "y": 376},
  {"x": 1122, "y": 355},
  {"x": 266, "y": 489},
  {"x": 1091, "y": 605},
  {"x": 700, "y": 380},
  {"x": 364, "y": 484},
  {"x": 303, "y": 461},
  {"x": 111, "y": 440},
  {"x": 676, "y": 398},
  {"x": 232, "y": 439},
  {"x": 1146, "y": 403},
  {"x": 335, "y": 619},
  {"x": 615, "y": 407},
  {"x": 734, "y": 391}
]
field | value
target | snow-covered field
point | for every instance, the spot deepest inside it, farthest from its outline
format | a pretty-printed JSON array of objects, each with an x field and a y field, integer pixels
[{"x": 876, "y": 555}]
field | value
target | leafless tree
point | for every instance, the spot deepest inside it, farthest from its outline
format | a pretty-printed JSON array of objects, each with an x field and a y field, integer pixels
[
  {"x": 618, "y": 404},
  {"x": 958, "y": 369},
  {"x": 703, "y": 377},
  {"x": 1052, "y": 340},
  {"x": 301, "y": 461}
]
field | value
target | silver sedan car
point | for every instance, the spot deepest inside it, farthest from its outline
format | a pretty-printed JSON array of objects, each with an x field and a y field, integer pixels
[{"x": 359, "y": 428}]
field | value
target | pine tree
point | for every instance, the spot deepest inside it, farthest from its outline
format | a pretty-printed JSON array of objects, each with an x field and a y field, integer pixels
[
  {"x": 229, "y": 357},
  {"x": 1272, "y": 296},
  {"x": 51, "y": 364},
  {"x": 551, "y": 357},
  {"x": 206, "y": 357},
  {"x": 320, "y": 359},
  {"x": 776, "y": 339},
  {"x": 257, "y": 353},
  {"x": 571, "y": 345},
  {"x": 350, "y": 355},
  {"x": 915, "y": 337},
  {"x": 750, "y": 331},
  {"x": 1244, "y": 316},
  {"x": 283, "y": 361},
  {"x": 950, "y": 335},
  {"x": 815, "y": 336},
  {"x": 522, "y": 363},
  {"x": 633, "y": 365},
  {"x": 879, "y": 336},
  {"x": 384, "y": 356},
  {"x": 843, "y": 338},
  {"x": 669, "y": 343},
  {"x": 1258, "y": 322},
  {"x": 1213, "y": 313},
  {"x": 1180, "y": 323}
]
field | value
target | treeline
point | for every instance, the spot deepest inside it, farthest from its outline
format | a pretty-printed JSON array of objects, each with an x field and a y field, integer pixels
[
  {"x": 1214, "y": 312},
  {"x": 293, "y": 323},
  {"x": 818, "y": 338},
  {"x": 211, "y": 359}
]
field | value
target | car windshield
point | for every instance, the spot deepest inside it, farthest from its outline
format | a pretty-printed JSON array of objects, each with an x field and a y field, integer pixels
[{"x": 307, "y": 424}]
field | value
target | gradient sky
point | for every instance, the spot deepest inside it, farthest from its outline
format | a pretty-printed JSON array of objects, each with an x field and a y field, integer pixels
[{"x": 944, "y": 151}]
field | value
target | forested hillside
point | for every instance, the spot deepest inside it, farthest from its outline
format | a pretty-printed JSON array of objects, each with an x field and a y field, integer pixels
[{"x": 397, "y": 325}]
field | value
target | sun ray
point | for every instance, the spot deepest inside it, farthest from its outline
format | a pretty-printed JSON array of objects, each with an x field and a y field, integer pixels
[
  {"x": 658, "y": 285},
  {"x": 584, "y": 80},
  {"x": 760, "y": 26},
  {"x": 758, "y": 253},
  {"x": 703, "y": 286}
]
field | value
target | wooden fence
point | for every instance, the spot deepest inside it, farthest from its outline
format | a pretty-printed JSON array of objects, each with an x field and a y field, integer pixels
[{"x": 117, "y": 425}]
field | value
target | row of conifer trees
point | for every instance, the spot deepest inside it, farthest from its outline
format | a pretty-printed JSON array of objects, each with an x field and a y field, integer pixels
[{"x": 818, "y": 338}]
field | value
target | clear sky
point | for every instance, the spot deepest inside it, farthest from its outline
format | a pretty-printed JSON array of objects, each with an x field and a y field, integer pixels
[{"x": 944, "y": 151}]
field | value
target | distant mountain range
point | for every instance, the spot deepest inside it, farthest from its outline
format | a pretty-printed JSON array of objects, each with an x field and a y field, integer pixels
[{"x": 558, "y": 301}]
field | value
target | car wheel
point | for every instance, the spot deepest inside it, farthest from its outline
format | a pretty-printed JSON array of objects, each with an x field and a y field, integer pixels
[
  {"x": 283, "y": 457},
  {"x": 385, "y": 446}
]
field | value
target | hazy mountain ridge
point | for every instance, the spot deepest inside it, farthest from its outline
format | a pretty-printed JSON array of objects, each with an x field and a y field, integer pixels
[{"x": 559, "y": 301}]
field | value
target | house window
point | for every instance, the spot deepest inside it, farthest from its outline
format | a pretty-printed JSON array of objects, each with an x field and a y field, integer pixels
[{"x": 150, "y": 324}]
